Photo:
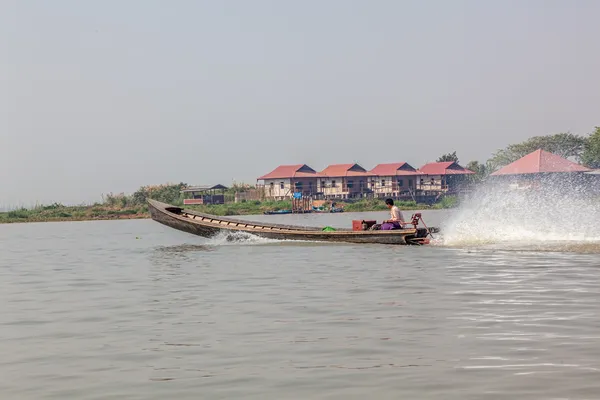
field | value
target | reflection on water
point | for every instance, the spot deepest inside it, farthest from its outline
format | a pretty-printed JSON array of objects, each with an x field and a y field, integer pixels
[
  {"x": 89, "y": 311},
  {"x": 175, "y": 254},
  {"x": 183, "y": 248}
]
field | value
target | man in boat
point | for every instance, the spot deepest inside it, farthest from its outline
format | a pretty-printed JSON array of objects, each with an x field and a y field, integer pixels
[{"x": 397, "y": 219}]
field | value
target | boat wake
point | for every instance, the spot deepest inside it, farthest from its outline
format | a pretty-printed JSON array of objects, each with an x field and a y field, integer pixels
[
  {"x": 238, "y": 238},
  {"x": 245, "y": 239},
  {"x": 550, "y": 219}
]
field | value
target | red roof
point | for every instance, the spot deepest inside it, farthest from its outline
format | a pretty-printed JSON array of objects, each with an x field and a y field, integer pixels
[
  {"x": 336, "y": 170},
  {"x": 444, "y": 168},
  {"x": 540, "y": 161},
  {"x": 394, "y": 169},
  {"x": 291, "y": 171}
]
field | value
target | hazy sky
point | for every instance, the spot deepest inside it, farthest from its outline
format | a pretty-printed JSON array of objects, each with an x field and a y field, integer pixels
[{"x": 101, "y": 96}]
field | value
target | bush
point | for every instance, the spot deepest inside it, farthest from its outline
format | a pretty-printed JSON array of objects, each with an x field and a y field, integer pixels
[
  {"x": 446, "y": 202},
  {"x": 21, "y": 213},
  {"x": 52, "y": 206},
  {"x": 170, "y": 194}
]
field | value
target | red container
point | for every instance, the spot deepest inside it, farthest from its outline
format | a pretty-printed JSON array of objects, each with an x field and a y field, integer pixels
[{"x": 362, "y": 225}]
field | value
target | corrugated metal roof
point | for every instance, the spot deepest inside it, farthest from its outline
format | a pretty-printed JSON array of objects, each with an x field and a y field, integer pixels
[
  {"x": 444, "y": 168},
  {"x": 202, "y": 188},
  {"x": 540, "y": 161},
  {"x": 336, "y": 170},
  {"x": 394, "y": 169},
  {"x": 291, "y": 171}
]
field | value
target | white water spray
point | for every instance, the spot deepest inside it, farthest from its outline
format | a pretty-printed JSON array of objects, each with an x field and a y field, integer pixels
[
  {"x": 557, "y": 212},
  {"x": 238, "y": 238},
  {"x": 244, "y": 238}
]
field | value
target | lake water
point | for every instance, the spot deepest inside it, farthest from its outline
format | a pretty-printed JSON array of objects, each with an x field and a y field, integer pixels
[{"x": 136, "y": 310}]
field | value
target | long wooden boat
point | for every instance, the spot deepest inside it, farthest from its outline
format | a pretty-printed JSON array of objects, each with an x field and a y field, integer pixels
[
  {"x": 278, "y": 212},
  {"x": 206, "y": 225}
]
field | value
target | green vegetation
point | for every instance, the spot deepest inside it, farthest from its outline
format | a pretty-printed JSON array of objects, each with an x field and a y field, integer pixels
[
  {"x": 379, "y": 205},
  {"x": 481, "y": 171},
  {"x": 448, "y": 157},
  {"x": 446, "y": 202},
  {"x": 170, "y": 194},
  {"x": 591, "y": 151},
  {"x": 243, "y": 208},
  {"x": 59, "y": 212}
]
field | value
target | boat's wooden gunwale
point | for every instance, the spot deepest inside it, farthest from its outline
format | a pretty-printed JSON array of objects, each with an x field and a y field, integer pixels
[{"x": 249, "y": 227}]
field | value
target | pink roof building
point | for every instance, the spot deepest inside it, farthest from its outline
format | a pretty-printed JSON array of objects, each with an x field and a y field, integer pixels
[
  {"x": 344, "y": 180},
  {"x": 395, "y": 169},
  {"x": 444, "y": 168},
  {"x": 339, "y": 170},
  {"x": 394, "y": 179},
  {"x": 290, "y": 171},
  {"x": 539, "y": 162},
  {"x": 285, "y": 180},
  {"x": 447, "y": 177}
]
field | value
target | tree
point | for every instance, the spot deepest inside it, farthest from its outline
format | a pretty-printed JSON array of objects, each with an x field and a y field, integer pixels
[
  {"x": 448, "y": 157},
  {"x": 475, "y": 167},
  {"x": 591, "y": 152},
  {"x": 482, "y": 171},
  {"x": 168, "y": 193},
  {"x": 566, "y": 145}
]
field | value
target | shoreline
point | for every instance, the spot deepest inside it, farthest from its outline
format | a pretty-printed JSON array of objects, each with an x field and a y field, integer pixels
[
  {"x": 71, "y": 219},
  {"x": 87, "y": 213},
  {"x": 135, "y": 206}
]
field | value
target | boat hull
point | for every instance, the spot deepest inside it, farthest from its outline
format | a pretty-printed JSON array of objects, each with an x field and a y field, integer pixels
[
  {"x": 208, "y": 226},
  {"x": 281, "y": 212}
]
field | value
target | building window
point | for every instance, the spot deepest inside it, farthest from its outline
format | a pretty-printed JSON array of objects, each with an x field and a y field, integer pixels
[
  {"x": 310, "y": 186},
  {"x": 400, "y": 182},
  {"x": 281, "y": 185},
  {"x": 332, "y": 184},
  {"x": 410, "y": 183},
  {"x": 382, "y": 182},
  {"x": 350, "y": 184}
]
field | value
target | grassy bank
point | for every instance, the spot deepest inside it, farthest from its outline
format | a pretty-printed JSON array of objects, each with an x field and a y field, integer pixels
[
  {"x": 246, "y": 208},
  {"x": 124, "y": 210},
  {"x": 59, "y": 212},
  {"x": 379, "y": 205}
]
